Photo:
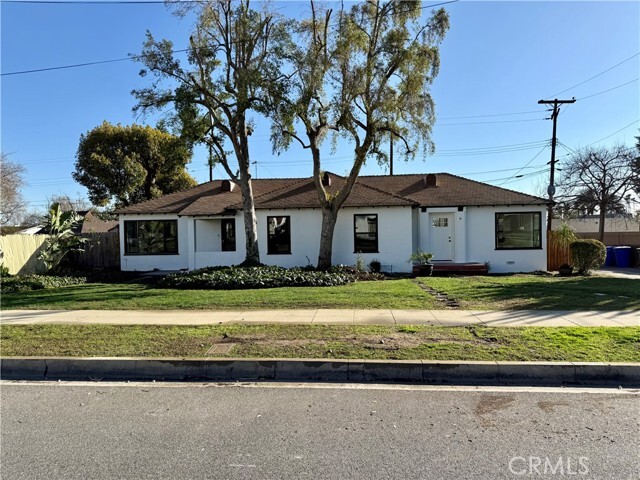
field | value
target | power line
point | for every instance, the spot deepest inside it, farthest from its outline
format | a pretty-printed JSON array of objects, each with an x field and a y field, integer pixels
[
  {"x": 617, "y": 131},
  {"x": 525, "y": 165},
  {"x": 486, "y": 123},
  {"x": 608, "y": 90},
  {"x": 492, "y": 115},
  {"x": 595, "y": 76}
]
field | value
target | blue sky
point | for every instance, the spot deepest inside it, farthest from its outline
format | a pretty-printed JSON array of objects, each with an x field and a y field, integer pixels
[{"x": 498, "y": 58}]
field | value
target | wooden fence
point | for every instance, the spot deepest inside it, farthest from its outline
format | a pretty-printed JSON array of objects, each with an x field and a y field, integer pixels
[
  {"x": 558, "y": 254},
  {"x": 20, "y": 253},
  {"x": 102, "y": 250}
]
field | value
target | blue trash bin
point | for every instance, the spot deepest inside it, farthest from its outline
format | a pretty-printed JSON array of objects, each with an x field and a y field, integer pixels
[
  {"x": 610, "y": 261},
  {"x": 623, "y": 256}
]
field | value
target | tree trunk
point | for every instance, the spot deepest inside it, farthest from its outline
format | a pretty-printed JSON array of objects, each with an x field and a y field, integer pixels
[
  {"x": 329, "y": 218},
  {"x": 603, "y": 211},
  {"x": 252, "y": 255}
]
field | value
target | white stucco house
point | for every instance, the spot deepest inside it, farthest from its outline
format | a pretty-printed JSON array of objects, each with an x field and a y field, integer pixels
[{"x": 386, "y": 218}]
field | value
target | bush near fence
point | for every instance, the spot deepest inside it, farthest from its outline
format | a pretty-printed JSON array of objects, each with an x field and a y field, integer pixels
[{"x": 558, "y": 254}]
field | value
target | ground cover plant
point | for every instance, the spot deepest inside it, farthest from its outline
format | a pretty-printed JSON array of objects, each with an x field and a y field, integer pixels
[{"x": 603, "y": 344}]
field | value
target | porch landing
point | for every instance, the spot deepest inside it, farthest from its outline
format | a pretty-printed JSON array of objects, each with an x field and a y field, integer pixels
[{"x": 465, "y": 268}]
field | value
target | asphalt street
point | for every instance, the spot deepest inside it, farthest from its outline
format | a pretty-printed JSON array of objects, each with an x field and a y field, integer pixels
[{"x": 101, "y": 430}]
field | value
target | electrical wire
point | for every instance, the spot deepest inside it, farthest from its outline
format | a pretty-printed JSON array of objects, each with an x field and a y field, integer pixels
[
  {"x": 526, "y": 164},
  {"x": 595, "y": 76},
  {"x": 608, "y": 90}
]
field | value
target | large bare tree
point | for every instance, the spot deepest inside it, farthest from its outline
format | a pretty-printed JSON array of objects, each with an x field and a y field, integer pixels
[
  {"x": 231, "y": 72},
  {"x": 603, "y": 176},
  {"x": 363, "y": 74},
  {"x": 12, "y": 203}
]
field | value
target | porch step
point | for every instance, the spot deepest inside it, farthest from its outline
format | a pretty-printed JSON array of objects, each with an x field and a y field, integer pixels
[{"x": 467, "y": 268}]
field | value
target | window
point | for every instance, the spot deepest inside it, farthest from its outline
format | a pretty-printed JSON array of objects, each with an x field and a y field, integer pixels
[
  {"x": 365, "y": 233},
  {"x": 151, "y": 237},
  {"x": 228, "y": 235},
  {"x": 518, "y": 230},
  {"x": 441, "y": 222},
  {"x": 278, "y": 235}
]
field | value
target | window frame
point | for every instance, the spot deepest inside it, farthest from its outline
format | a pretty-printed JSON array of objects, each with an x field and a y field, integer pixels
[
  {"x": 355, "y": 233},
  {"x": 269, "y": 235},
  {"x": 223, "y": 237},
  {"x": 137, "y": 236},
  {"x": 498, "y": 247}
]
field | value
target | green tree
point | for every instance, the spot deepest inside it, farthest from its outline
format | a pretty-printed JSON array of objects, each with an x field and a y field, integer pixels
[
  {"x": 232, "y": 71},
  {"x": 124, "y": 165},
  {"x": 363, "y": 75},
  {"x": 62, "y": 238}
]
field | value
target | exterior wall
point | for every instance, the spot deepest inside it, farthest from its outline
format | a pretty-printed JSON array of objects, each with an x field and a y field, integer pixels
[
  {"x": 145, "y": 263},
  {"x": 401, "y": 231},
  {"x": 206, "y": 249},
  {"x": 481, "y": 241}
]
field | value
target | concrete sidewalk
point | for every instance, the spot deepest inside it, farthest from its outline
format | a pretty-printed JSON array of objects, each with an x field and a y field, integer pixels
[{"x": 448, "y": 318}]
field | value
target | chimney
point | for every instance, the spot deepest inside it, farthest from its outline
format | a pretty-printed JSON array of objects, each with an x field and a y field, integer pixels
[
  {"x": 430, "y": 181},
  {"x": 227, "y": 186},
  {"x": 326, "y": 179}
]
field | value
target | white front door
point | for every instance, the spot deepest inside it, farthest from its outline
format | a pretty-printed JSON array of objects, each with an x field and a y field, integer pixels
[{"x": 441, "y": 236}]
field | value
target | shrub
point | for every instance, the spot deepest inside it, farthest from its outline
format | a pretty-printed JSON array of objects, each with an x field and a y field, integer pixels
[
  {"x": 37, "y": 282},
  {"x": 235, "y": 278},
  {"x": 587, "y": 254},
  {"x": 375, "y": 266}
]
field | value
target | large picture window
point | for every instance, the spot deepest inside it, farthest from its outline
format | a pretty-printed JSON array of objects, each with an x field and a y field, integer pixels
[
  {"x": 365, "y": 233},
  {"x": 228, "y": 235},
  {"x": 278, "y": 235},
  {"x": 518, "y": 230},
  {"x": 151, "y": 237}
]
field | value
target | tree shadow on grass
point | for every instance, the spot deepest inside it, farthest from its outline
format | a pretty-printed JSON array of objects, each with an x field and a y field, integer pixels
[{"x": 577, "y": 293}]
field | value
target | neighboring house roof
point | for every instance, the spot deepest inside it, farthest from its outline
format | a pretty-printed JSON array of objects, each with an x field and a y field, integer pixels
[
  {"x": 93, "y": 224},
  {"x": 368, "y": 191},
  {"x": 37, "y": 230}
]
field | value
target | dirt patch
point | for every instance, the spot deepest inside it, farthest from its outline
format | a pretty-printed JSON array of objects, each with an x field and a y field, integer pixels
[
  {"x": 489, "y": 404},
  {"x": 549, "y": 407},
  {"x": 394, "y": 341}
]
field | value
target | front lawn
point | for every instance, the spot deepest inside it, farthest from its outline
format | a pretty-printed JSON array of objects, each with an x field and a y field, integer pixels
[
  {"x": 397, "y": 294},
  {"x": 539, "y": 292},
  {"x": 408, "y": 342},
  {"x": 516, "y": 292}
]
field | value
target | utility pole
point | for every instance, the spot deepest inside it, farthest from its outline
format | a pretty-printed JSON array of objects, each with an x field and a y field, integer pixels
[
  {"x": 551, "y": 189},
  {"x": 390, "y": 153}
]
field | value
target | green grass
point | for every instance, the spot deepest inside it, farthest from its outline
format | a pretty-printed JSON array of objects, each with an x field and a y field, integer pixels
[
  {"x": 399, "y": 294},
  {"x": 538, "y": 292},
  {"x": 516, "y": 292},
  {"x": 604, "y": 344}
]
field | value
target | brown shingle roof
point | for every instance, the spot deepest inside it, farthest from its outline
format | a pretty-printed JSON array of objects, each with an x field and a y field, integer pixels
[{"x": 369, "y": 191}]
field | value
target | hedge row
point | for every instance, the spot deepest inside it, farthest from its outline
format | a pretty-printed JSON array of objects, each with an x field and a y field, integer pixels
[
  {"x": 235, "y": 278},
  {"x": 11, "y": 284}
]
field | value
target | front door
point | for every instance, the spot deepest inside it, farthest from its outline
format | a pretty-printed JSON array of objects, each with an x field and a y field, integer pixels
[{"x": 441, "y": 236}]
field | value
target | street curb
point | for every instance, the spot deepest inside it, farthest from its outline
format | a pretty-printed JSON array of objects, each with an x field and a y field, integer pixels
[{"x": 399, "y": 371}]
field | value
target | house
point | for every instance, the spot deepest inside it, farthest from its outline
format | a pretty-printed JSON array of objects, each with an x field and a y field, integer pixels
[
  {"x": 385, "y": 218},
  {"x": 91, "y": 223}
]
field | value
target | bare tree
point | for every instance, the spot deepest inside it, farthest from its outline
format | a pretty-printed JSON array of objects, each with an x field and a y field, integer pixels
[
  {"x": 232, "y": 71},
  {"x": 12, "y": 203},
  {"x": 599, "y": 177}
]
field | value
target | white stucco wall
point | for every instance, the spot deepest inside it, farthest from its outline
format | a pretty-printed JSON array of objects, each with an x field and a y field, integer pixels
[
  {"x": 198, "y": 240},
  {"x": 400, "y": 231},
  {"x": 481, "y": 241}
]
